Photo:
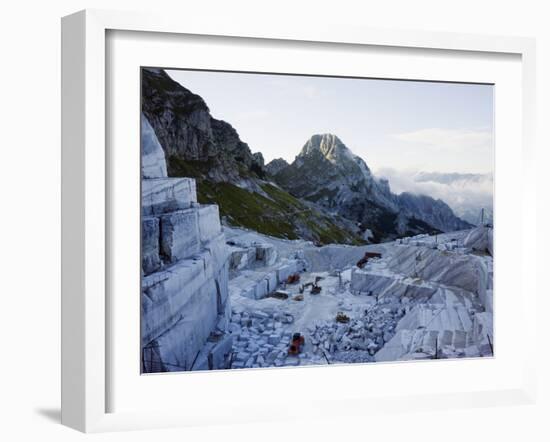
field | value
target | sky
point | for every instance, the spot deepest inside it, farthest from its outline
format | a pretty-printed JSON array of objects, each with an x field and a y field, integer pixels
[
  {"x": 399, "y": 125},
  {"x": 401, "y": 129}
]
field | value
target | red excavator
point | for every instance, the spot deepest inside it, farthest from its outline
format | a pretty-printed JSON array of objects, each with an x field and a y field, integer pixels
[
  {"x": 293, "y": 279},
  {"x": 296, "y": 344}
]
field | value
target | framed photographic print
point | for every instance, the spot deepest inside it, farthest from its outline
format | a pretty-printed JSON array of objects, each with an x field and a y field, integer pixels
[
  {"x": 251, "y": 260},
  {"x": 254, "y": 212}
]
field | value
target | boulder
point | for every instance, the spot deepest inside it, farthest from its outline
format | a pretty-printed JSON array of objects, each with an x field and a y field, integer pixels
[
  {"x": 179, "y": 235},
  {"x": 150, "y": 232},
  {"x": 153, "y": 162},
  {"x": 220, "y": 355},
  {"x": 266, "y": 254},
  {"x": 164, "y": 195},
  {"x": 239, "y": 258},
  {"x": 209, "y": 222}
]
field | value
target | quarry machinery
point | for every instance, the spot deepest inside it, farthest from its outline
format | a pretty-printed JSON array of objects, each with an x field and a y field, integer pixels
[
  {"x": 368, "y": 255},
  {"x": 296, "y": 344},
  {"x": 315, "y": 288},
  {"x": 293, "y": 279}
]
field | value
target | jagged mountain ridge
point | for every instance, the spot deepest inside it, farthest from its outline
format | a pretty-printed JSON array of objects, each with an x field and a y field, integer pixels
[
  {"x": 433, "y": 211},
  {"x": 329, "y": 174},
  {"x": 227, "y": 173},
  {"x": 276, "y": 165}
]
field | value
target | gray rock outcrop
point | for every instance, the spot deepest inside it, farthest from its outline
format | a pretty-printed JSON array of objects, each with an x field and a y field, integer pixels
[
  {"x": 187, "y": 132},
  {"x": 276, "y": 165}
]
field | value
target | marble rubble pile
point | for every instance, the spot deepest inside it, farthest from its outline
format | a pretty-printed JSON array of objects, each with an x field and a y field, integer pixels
[
  {"x": 446, "y": 292},
  {"x": 185, "y": 307},
  {"x": 261, "y": 340}
]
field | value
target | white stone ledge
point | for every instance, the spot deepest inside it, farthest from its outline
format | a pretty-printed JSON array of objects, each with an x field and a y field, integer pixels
[
  {"x": 209, "y": 222},
  {"x": 150, "y": 258},
  {"x": 169, "y": 294},
  {"x": 179, "y": 234},
  {"x": 163, "y": 195}
]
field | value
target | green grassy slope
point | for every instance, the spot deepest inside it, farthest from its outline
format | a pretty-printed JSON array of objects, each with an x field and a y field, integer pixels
[
  {"x": 277, "y": 213},
  {"x": 280, "y": 214}
]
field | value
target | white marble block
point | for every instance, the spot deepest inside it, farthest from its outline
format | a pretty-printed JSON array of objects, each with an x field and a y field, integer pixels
[
  {"x": 181, "y": 290},
  {"x": 239, "y": 258},
  {"x": 179, "y": 234},
  {"x": 272, "y": 281},
  {"x": 221, "y": 353},
  {"x": 153, "y": 161},
  {"x": 283, "y": 272},
  {"x": 209, "y": 222},
  {"x": 266, "y": 254},
  {"x": 163, "y": 195},
  {"x": 150, "y": 231}
]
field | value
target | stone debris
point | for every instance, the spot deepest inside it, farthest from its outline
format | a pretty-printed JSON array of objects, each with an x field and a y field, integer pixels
[
  {"x": 150, "y": 249},
  {"x": 342, "y": 318}
]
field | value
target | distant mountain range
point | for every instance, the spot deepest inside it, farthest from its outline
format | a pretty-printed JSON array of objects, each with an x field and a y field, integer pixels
[
  {"x": 466, "y": 193},
  {"x": 326, "y": 195}
]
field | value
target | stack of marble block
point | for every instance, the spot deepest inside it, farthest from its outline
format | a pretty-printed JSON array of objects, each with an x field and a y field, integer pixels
[{"x": 185, "y": 308}]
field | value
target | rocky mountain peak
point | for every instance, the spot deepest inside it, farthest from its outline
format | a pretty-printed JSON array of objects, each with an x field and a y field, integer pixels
[
  {"x": 329, "y": 146},
  {"x": 328, "y": 155},
  {"x": 275, "y": 166}
]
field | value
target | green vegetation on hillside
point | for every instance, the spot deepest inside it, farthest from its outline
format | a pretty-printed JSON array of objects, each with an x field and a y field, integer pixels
[
  {"x": 275, "y": 213},
  {"x": 280, "y": 214}
]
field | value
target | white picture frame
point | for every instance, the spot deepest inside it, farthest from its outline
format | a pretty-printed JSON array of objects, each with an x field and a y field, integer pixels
[{"x": 87, "y": 211}]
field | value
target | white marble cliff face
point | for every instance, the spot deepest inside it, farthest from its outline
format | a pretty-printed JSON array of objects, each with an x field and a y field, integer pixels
[
  {"x": 153, "y": 162},
  {"x": 184, "y": 302}
]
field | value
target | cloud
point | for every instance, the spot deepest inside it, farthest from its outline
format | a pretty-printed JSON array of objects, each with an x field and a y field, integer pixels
[
  {"x": 465, "y": 193},
  {"x": 448, "y": 139}
]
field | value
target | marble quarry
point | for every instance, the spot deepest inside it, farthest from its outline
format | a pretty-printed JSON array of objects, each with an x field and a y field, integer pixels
[{"x": 425, "y": 297}]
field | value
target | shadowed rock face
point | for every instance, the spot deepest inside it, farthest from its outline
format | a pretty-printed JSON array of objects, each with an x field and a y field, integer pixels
[
  {"x": 276, "y": 165},
  {"x": 329, "y": 174},
  {"x": 434, "y": 212},
  {"x": 186, "y": 131}
]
